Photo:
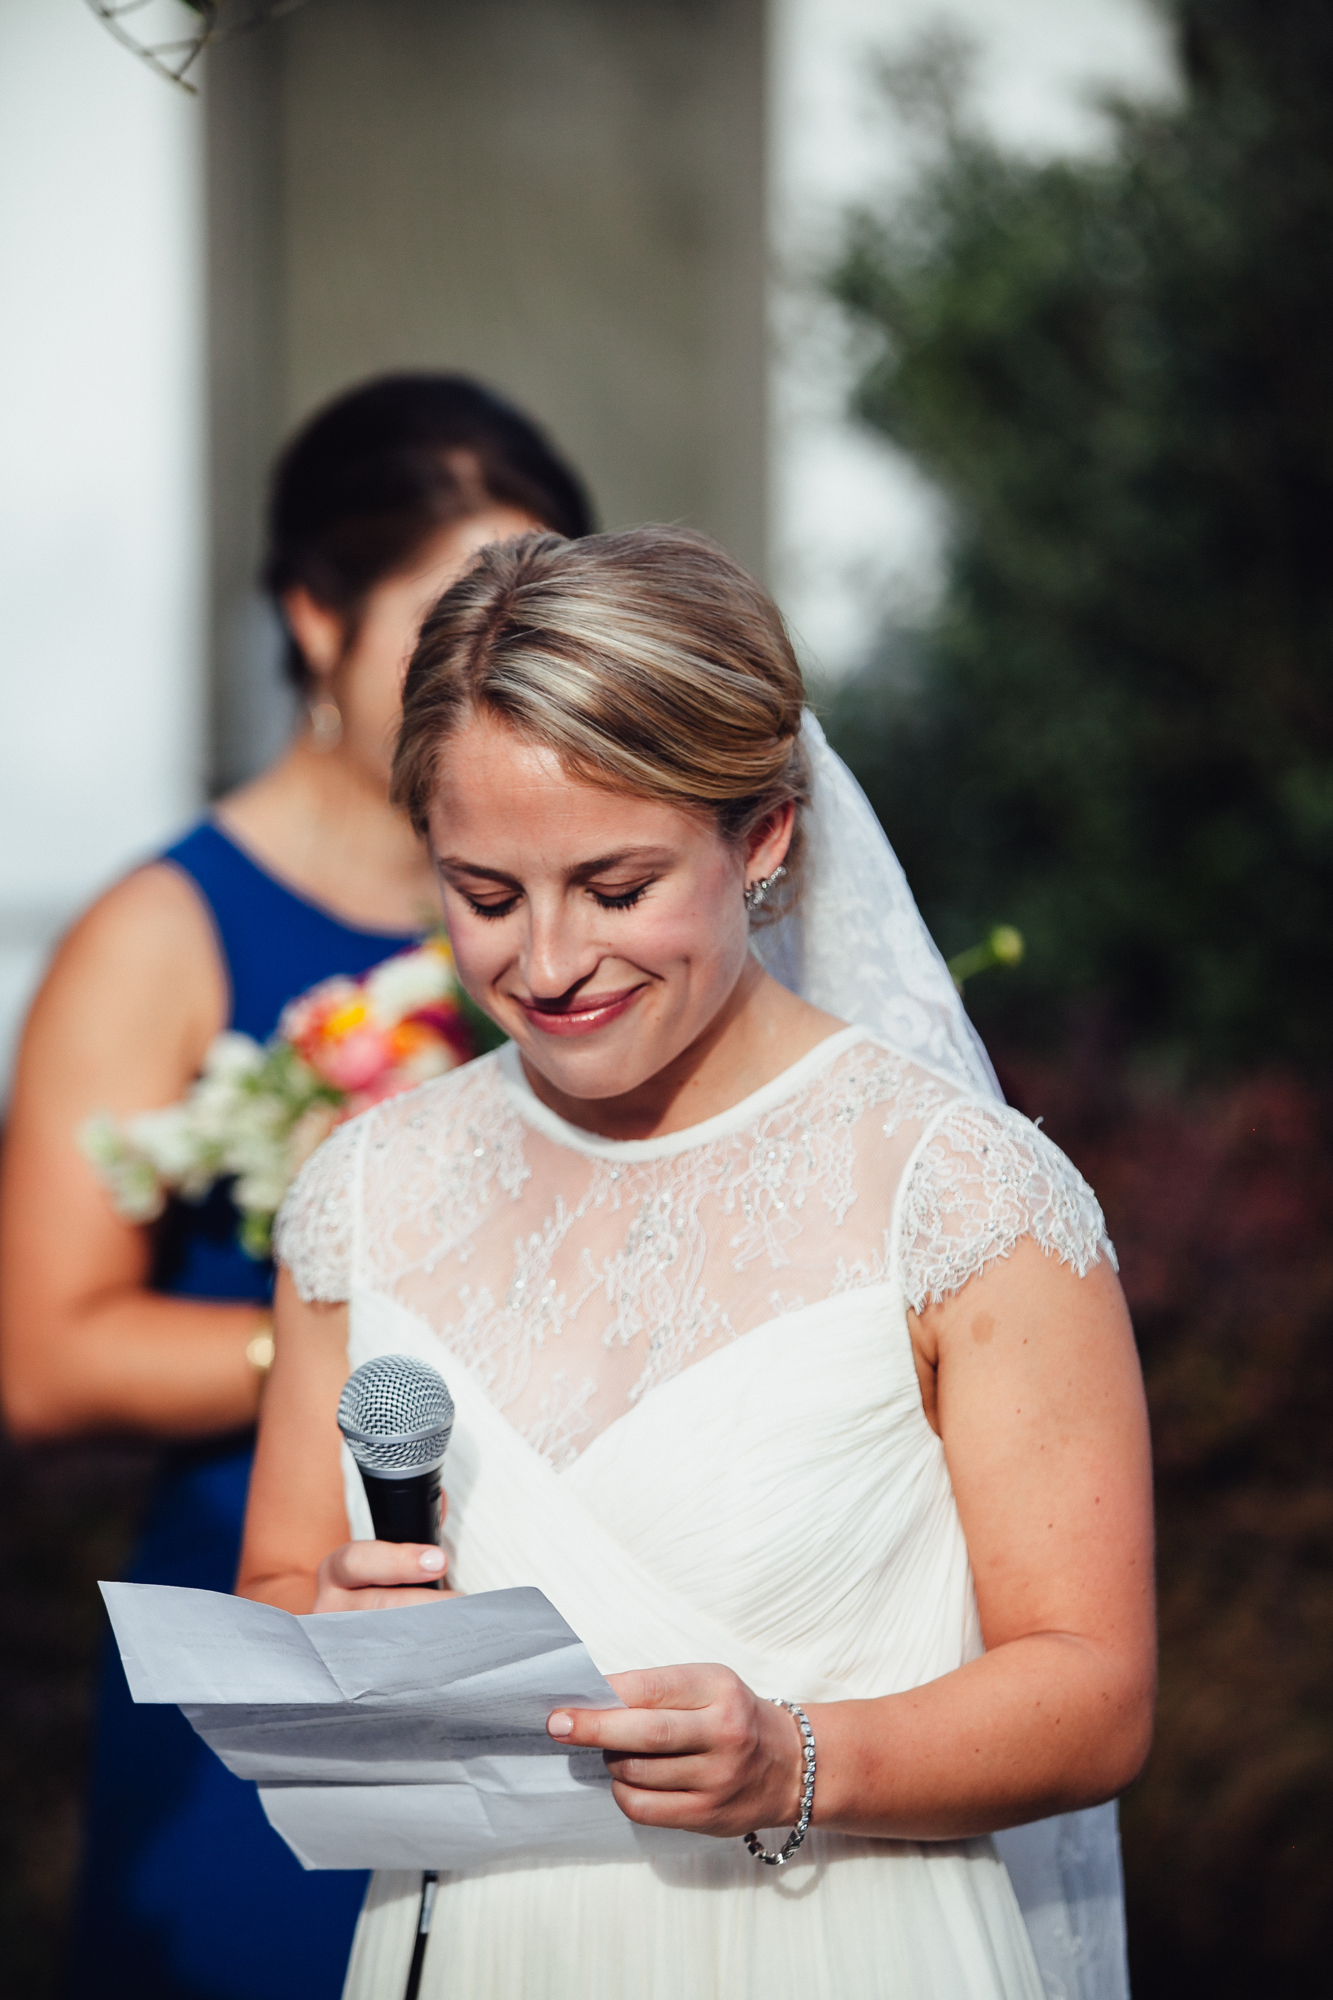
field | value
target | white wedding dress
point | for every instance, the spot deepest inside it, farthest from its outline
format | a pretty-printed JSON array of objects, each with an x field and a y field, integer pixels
[{"x": 687, "y": 1409}]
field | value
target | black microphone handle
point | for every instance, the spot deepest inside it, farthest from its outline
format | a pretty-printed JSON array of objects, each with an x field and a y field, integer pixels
[
  {"x": 404, "y": 1510},
  {"x": 408, "y": 1510}
]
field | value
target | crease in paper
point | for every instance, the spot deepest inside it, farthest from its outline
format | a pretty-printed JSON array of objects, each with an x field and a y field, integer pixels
[{"x": 389, "y": 1739}]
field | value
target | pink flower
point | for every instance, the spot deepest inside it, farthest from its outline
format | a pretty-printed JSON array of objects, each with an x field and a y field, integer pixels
[{"x": 354, "y": 1061}]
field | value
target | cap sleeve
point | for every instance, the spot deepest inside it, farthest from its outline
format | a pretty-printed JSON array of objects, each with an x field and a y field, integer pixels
[
  {"x": 985, "y": 1178},
  {"x": 313, "y": 1232}
]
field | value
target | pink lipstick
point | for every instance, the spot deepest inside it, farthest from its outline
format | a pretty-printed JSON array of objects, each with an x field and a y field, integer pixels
[{"x": 584, "y": 1016}]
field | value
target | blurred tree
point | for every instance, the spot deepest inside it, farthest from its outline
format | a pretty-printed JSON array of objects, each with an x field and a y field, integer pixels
[{"x": 1117, "y": 732}]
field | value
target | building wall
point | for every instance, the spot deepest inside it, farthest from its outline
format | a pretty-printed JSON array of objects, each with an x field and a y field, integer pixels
[
  {"x": 566, "y": 200},
  {"x": 101, "y": 444}
]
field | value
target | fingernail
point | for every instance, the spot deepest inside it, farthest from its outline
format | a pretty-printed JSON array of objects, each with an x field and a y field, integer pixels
[
  {"x": 432, "y": 1559},
  {"x": 560, "y": 1724}
]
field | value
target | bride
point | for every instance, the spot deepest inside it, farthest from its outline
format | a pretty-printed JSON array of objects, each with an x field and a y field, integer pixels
[{"x": 789, "y": 1362}]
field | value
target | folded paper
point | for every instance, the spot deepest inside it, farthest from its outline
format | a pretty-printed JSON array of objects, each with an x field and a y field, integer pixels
[{"x": 389, "y": 1739}]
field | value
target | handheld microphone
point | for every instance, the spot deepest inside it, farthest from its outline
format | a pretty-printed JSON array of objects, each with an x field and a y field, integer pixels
[{"x": 397, "y": 1416}]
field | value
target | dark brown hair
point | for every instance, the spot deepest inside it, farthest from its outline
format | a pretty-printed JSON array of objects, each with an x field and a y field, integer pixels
[
  {"x": 649, "y": 661},
  {"x": 373, "y": 475}
]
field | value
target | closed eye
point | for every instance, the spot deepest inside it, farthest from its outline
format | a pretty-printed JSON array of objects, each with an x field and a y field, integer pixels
[
  {"x": 490, "y": 910},
  {"x": 621, "y": 899},
  {"x": 625, "y": 899}
]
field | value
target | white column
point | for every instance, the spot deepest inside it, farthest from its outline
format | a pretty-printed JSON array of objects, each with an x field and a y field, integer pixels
[{"x": 101, "y": 473}]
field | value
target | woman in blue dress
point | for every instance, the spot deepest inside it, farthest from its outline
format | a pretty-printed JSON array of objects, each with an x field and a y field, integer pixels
[{"x": 378, "y": 504}]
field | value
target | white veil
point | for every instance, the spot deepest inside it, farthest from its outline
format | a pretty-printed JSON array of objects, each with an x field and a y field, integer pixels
[{"x": 856, "y": 946}]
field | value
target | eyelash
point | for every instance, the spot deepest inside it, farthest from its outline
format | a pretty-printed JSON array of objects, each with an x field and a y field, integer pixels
[
  {"x": 622, "y": 902},
  {"x": 494, "y": 911}
]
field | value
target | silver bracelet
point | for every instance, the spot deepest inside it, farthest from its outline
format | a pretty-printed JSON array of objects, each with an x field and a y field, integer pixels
[{"x": 802, "y": 1826}]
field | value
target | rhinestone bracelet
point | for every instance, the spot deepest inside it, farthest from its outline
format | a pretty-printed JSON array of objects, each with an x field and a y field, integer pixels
[{"x": 802, "y": 1826}]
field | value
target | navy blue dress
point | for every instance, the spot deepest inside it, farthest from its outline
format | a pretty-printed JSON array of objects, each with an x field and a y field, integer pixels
[{"x": 187, "y": 1893}]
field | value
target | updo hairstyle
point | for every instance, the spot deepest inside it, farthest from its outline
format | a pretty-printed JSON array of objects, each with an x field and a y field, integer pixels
[
  {"x": 649, "y": 662},
  {"x": 368, "y": 481}
]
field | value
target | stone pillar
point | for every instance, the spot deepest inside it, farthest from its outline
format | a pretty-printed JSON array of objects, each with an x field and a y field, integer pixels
[{"x": 563, "y": 197}]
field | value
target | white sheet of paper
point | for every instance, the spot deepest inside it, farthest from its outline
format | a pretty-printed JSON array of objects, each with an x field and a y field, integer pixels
[{"x": 388, "y": 1739}]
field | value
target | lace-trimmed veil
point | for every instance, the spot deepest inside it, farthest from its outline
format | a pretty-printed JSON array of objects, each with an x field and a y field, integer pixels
[{"x": 856, "y": 946}]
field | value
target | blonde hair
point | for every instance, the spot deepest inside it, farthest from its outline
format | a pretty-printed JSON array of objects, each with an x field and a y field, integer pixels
[{"x": 649, "y": 662}]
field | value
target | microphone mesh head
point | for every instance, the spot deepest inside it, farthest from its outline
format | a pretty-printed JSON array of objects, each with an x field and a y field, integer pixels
[{"x": 396, "y": 1414}]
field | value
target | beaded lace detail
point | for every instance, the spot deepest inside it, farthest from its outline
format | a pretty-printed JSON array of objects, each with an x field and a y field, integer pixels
[
  {"x": 984, "y": 1179},
  {"x": 574, "y": 1275},
  {"x": 987, "y": 1178}
]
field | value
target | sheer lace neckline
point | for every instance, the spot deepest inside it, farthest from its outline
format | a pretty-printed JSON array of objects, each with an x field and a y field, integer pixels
[
  {"x": 575, "y": 1274},
  {"x": 794, "y": 1078}
]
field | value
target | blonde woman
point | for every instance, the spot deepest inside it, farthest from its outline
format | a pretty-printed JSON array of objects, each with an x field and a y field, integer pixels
[{"x": 788, "y": 1361}]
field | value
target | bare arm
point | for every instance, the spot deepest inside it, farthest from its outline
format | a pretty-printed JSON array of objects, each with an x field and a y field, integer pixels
[
  {"x": 296, "y": 1553},
  {"x": 1041, "y": 1411},
  {"x": 1042, "y": 1416},
  {"x": 133, "y": 997}
]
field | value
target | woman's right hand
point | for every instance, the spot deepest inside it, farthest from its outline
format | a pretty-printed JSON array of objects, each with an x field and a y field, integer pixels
[
  {"x": 298, "y": 1507},
  {"x": 380, "y": 1576}
]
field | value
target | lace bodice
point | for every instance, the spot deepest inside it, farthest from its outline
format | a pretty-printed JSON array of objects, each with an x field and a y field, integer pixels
[{"x": 574, "y": 1274}]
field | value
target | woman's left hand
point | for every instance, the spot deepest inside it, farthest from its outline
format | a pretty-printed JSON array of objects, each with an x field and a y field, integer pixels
[{"x": 693, "y": 1748}]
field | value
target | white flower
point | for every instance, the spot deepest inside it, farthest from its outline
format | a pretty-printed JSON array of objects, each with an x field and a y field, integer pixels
[
  {"x": 171, "y": 1139},
  {"x": 413, "y": 979},
  {"x": 231, "y": 1056},
  {"x": 261, "y": 1190},
  {"x": 135, "y": 1188},
  {"x": 256, "y": 1135}
]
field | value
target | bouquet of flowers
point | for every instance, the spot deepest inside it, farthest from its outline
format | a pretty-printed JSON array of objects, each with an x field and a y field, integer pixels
[{"x": 257, "y": 1112}]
